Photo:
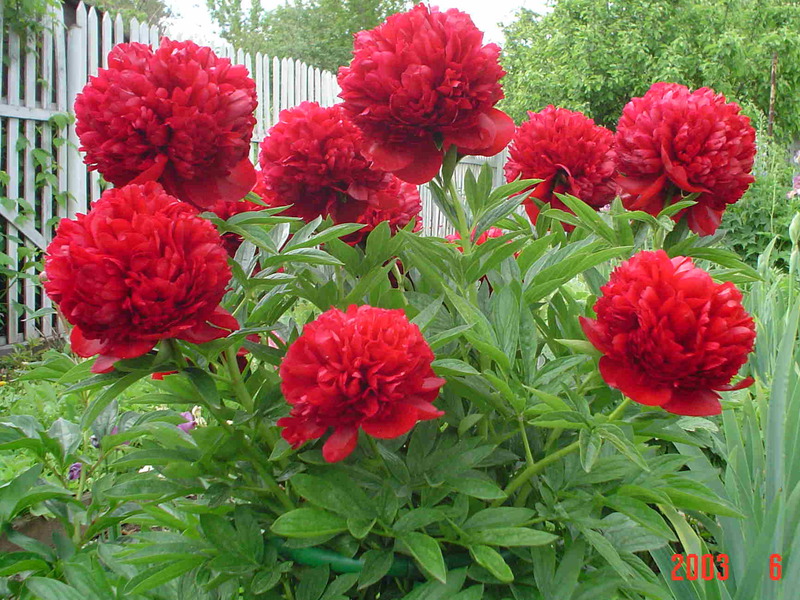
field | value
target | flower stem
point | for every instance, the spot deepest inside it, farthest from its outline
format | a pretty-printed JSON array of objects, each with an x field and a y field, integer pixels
[
  {"x": 242, "y": 394},
  {"x": 537, "y": 467}
]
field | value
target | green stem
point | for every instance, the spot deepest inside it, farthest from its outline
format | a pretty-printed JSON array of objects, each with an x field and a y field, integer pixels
[
  {"x": 536, "y": 468},
  {"x": 525, "y": 443},
  {"x": 242, "y": 394}
]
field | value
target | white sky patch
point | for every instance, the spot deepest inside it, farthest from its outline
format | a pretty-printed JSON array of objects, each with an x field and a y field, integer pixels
[{"x": 192, "y": 20}]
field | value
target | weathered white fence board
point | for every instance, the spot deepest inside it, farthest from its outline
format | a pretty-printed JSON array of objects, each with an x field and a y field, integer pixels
[{"x": 40, "y": 79}]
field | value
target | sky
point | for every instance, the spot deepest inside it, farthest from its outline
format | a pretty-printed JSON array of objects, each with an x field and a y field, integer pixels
[{"x": 193, "y": 21}]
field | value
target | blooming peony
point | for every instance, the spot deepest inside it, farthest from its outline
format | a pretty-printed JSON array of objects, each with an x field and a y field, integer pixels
[
  {"x": 178, "y": 115},
  {"x": 669, "y": 335},
  {"x": 140, "y": 267},
  {"x": 367, "y": 368},
  {"x": 569, "y": 153},
  {"x": 421, "y": 82},
  {"x": 312, "y": 159},
  {"x": 673, "y": 141}
]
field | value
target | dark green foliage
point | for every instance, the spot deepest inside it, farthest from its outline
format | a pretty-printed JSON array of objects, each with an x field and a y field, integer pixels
[
  {"x": 593, "y": 56},
  {"x": 318, "y": 32},
  {"x": 765, "y": 211}
]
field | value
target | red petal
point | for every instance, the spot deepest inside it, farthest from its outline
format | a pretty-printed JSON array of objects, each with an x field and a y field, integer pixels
[
  {"x": 341, "y": 443},
  {"x": 746, "y": 382},
  {"x": 694, "y": 403},
  {"x": 502, "y": 130},
  {"x": 160, "y": 376},
  {"x": 703, "y": 219},
  {"x": 622, "y": 378},
  {"x": 645, "y": 190},
  {"x": 104, "y": 364},
  {"x": 593, "y": 333},
  {"x": 389, "y": 157},
  {"x": 83, "y": 346},
  {"x": 153, "y": 173},
  {"x": 219, "y": 325},
  {"x": 424, "y": 167},
  {"x": 392, "y": 421},
  {"x": 677, "y": 174},
  {"x": 204, "y": 193}
]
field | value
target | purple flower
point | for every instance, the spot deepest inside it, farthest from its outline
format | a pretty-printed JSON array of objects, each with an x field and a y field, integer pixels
[
  {"x": 190, "y": 422},
  {"x": 795, "y": 191},
  {"x": 74, "y": 471}
]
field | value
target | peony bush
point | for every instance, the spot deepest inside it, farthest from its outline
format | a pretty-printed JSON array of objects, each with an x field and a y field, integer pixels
[{"x": 384, "y": 414}]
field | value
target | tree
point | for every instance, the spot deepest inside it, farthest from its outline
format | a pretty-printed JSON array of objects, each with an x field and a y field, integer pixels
[
  {"x": 318, "y": 32},
  {"x": 152, "y": 12},
  {"x": 594, "y": 55}
]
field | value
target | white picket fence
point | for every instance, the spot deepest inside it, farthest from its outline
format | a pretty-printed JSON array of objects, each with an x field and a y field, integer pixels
[{"x": 46, "y": 177}]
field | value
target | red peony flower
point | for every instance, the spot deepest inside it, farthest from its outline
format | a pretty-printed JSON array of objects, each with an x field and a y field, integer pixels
[
  {"x": 672, "y": 140},
  {"x": 569, "y": 153},
  {"x": 367, "y": 368},
  {"x": 492, "y": 232},
  {"x": 398, "y": 204},
  {"x": 312, "y": 159},
  {"x": 140, "y": 267},
  {"x": 421, "y": 82},
  {"x": 669, "y": 335},
  {"x": 180, "y": 116}
]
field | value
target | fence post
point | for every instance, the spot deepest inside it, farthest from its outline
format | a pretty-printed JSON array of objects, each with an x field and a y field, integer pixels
[{"x": 76, "y": 79}]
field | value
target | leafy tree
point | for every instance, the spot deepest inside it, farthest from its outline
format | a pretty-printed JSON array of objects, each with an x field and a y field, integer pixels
[
  {"x": 152, "y": 12},
  {"x": 318, "y": 32},
  {"x": 593, "y": 55}
]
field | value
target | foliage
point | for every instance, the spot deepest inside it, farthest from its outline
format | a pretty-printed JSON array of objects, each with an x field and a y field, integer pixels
[
  {"x": 152, "y": 12},
  {"x": 592, "y": 55},
  {"x": 759, "y": 444},
  {"x": 765, "y": 211},
  {"x": 317, "y": 32},
  {"x": 25, "y": 16},
  {"x": 538, "y": 477}
]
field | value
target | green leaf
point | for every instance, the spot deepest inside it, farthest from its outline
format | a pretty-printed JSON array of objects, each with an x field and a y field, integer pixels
[
  {"x": 776, "y": 419},
  {"x": 427, "y": 553},
  {"x": 108, "y": 395},
  {"x": 608, "y": 552},
  {"x": 418, "y": 518},
  {"x": 491, "y": 560},
  {"x": 149, "y": 489},
  {"x": 502, "y": 516},
  {"x": 329, "y": 494},
  {"x": 313, "y": 582},
  {"x": 161, "y": 574},
  {"x": 12, "y": 492},
  {"x": 513, "y": 536},
  {"x": 219, "y": 531},
  {"x": 265, "y": 581},
  {"x": 426, "y": 316},
  {"x": 692, "y": 495},
  {"x": 589, "y": 217},
  {"x": 590, "y": 445},
  {"x": 496, "y": 212},
  {"x": 477, "y": 488},
  {"x": 308, "y": 522},
  {"x": 309, "y": 256},
  {"x": 453, "y": 366},
  {"x": 617, "y": 437},
  {"x": 67, "y": 434},
  {"x": 376, "y": 565},
  {"x": 51, "y": 589},
  {"x": 642, "y": 514}
]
